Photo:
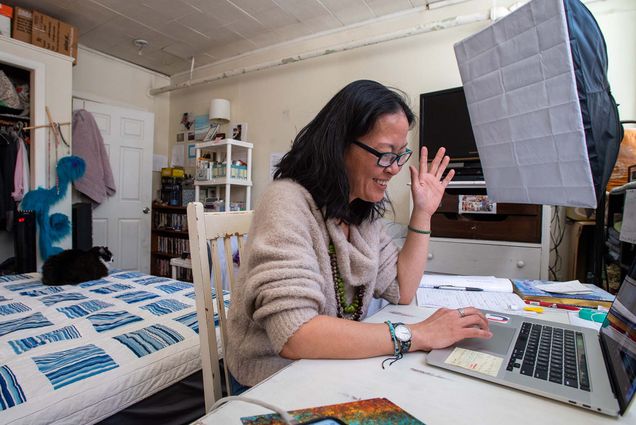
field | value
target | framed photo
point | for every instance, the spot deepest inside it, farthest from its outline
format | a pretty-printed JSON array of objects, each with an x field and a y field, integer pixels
[
  {"x": 187, "y": 121},
  {"x": 631, "y": 173},
  {"x": 191, "y": 155},
  {"x": 209, "y": 136},
  {"x": 476, "y": 204},
  {"x": 201, "y": 126},
  {"x": 238, "y": 131}
]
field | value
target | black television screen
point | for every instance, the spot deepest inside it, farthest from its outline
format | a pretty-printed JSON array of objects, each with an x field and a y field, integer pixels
[{"x": 444, "y": 121}]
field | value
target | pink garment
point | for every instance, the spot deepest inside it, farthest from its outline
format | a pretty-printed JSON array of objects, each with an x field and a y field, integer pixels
[
  {"x": 21, "y": 174},
  {"x": 97, "y": 183}
]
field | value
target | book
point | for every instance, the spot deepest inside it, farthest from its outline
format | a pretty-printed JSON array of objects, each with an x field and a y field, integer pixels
[
  {"x": 527, "y": 289},
  {"x": 373, "y": 411}
]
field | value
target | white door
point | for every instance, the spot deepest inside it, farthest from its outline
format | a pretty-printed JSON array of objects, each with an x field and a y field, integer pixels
[{"x": 122, "y": 222}]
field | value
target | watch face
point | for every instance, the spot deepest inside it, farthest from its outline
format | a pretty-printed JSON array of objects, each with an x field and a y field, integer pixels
[{"x": 402, "y": 333}]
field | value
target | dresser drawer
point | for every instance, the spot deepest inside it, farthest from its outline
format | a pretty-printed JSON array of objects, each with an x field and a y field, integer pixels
[{"x": 484, "y": 258}]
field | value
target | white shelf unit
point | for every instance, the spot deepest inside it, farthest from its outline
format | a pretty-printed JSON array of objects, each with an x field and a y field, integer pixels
[{"x": 232, "y": 150}]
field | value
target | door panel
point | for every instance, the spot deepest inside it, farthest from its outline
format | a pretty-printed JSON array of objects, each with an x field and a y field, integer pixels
[{"x": 119, "y": 222}]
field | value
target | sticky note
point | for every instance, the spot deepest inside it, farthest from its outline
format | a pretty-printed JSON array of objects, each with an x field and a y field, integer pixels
[{"x": 474, "y": 360}]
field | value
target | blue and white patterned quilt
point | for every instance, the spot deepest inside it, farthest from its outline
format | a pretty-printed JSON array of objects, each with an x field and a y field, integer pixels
[{"x": 78, "y": 354}]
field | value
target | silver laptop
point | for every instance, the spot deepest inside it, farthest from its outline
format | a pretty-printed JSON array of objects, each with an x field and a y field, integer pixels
[{"x": 572, "y": 364}]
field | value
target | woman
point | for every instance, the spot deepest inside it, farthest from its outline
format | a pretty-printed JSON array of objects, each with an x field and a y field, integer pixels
[{"x": 317, "y": 252}]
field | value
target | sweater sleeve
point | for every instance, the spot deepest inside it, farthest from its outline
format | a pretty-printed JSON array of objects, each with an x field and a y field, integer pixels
[
  {"x": 283, "y": 288},
  {"x": 387, "y": 285}
]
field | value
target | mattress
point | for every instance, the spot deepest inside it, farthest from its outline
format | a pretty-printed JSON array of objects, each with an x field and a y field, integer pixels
[{"x": 76, "y": 354}]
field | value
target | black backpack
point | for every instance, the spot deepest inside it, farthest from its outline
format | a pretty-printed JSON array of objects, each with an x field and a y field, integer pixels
[{"x": 603, "y": 130}]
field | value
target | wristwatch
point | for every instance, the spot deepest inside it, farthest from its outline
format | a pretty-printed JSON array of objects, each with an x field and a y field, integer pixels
[{"x": 403, "y": 335}]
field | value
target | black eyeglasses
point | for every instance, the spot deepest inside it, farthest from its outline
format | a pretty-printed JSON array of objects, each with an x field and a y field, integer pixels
[{"x": 386, "y": 159}]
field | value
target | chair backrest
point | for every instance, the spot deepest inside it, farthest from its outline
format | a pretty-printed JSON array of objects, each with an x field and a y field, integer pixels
[{"x": 207, "y": 231}]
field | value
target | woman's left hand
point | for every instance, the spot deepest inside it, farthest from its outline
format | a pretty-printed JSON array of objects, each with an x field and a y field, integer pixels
[{"x": 427, "y": 185}]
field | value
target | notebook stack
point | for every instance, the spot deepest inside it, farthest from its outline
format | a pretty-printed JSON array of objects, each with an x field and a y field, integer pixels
[{"x": 594, "y": 297}]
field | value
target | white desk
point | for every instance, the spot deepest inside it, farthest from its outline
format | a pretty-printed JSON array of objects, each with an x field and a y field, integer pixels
[{"x": 433, "y": 395}]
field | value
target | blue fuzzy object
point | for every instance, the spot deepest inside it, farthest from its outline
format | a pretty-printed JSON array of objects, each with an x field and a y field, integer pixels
[{"x": 57, "y": 226}]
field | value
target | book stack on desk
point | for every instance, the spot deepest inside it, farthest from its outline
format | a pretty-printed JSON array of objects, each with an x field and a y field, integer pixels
[{"x": 527, "y": 289}]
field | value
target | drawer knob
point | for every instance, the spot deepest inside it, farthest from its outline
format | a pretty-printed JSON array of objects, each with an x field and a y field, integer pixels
[
  {"x": 430, "y": 256},
  {"x": 521, "y": 264}
]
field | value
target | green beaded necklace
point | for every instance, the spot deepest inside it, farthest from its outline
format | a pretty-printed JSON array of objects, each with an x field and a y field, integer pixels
[{"x": 355, "y": 308}]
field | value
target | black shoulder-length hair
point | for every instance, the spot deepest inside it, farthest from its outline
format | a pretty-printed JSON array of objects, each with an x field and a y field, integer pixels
[{"x": 316, "y": 159}]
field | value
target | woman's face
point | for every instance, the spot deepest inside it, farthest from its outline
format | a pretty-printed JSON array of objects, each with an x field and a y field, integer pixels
[{"x": 368, "y": 180}]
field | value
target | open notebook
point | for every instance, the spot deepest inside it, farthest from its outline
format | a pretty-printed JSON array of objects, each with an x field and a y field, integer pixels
[{"x": 485, "y": 292}]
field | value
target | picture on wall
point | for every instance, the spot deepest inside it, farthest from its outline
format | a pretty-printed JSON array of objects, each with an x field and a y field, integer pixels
[
  {"x": 210, "y": 135},
  {"x": 201, "y": 126},
  {"x": 183, "y": 136},
  {"x": 187, "y": 120},
  {"x": 238, "y": 131},
  {"x": 191, "y": 156}
]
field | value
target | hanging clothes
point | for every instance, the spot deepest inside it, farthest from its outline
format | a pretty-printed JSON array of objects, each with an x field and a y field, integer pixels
[
  {"x": 8, "y": 153},
  {"x": 98, "y": 182},
  {"x": 21, "y": 174}
]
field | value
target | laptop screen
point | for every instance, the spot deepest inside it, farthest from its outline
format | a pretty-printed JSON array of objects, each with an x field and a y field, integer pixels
[{"x": 618, "y": 336}]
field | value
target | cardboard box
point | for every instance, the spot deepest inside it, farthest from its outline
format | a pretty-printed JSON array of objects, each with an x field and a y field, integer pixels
[
  {"x": 22, "y": 23},
  {"x": 67, "y": 40},
  {"x": 44, "y": 31},
  {"x": 6, "y": 13}
]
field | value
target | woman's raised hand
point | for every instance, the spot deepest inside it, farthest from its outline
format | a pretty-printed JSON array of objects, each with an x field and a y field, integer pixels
[
  {"x": 427, "y": 185},
  {"x": 445, "y": 327}
]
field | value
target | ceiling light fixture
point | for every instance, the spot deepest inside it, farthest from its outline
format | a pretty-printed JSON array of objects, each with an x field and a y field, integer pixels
[{"x": 140, "y": 44}]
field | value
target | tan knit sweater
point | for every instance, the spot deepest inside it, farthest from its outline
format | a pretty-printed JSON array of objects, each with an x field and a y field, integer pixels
[{"x": 285, "y": 277}]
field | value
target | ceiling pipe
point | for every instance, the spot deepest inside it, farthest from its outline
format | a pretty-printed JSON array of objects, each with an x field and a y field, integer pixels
[{"x": 420, "y": 29}]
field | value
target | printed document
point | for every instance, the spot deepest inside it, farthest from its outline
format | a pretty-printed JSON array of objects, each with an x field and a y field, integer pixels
[{"x": 497, "y": 301}]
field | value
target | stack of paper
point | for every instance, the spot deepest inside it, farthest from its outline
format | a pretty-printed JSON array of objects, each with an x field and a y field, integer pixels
[
  {"x": 483, "y": 283},
  {"x": 570, "y": 287}
]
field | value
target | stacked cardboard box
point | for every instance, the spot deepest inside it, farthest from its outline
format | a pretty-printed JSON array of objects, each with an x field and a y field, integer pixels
[
  {"x": 6, "y": 12},
  {"x": 44, "y": 31}
]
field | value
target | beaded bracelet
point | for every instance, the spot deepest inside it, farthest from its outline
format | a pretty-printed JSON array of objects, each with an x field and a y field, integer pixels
[
  {"x": 396, "y": 348},
  {"x": 421, "y": 232},
  {"x": 397, "y": 354}
]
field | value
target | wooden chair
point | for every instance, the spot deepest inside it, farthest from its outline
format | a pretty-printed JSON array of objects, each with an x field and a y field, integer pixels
[{"x": 205, "y": 231}]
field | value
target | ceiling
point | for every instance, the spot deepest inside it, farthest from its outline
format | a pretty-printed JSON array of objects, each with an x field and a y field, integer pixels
[{"x": 208, "y": 30}]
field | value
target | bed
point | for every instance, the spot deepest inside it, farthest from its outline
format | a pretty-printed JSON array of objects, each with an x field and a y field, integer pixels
[{"x": 79, "y": 354}]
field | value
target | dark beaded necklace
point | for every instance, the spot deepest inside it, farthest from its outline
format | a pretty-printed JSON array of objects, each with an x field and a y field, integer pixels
[{"x": 354, "y": 310}]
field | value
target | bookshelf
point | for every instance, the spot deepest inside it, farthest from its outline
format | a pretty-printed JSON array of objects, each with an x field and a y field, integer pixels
[{"x": 169, "y": 239}]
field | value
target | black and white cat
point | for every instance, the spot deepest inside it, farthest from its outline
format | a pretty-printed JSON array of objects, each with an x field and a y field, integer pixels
[{"x": 74, "y": 266}]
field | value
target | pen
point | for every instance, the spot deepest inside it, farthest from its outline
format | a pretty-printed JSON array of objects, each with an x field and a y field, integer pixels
[
  {"x": 552, "y": 305},
  {"x": 457, "y": 288}
]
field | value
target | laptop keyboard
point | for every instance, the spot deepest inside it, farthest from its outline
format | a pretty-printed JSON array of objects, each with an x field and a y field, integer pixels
[{"x": 550, "y": 353}]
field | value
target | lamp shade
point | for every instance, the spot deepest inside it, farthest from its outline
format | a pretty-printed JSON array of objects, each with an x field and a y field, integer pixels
[{"x": 220, "y": 111}]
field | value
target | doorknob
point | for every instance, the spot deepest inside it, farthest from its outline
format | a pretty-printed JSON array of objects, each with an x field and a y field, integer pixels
[{"x": 146, "y": 210}]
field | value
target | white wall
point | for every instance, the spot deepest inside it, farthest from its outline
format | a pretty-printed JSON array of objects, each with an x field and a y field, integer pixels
[
  {"x": 102, "y": 78},
  {"x": 278, "y": 102}
]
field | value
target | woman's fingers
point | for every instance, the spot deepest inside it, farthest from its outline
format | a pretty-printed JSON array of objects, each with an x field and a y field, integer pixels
[
  {"x": 423, "y": 160},
  {"x": 442, "y": 167},
  {"x": 436, "y": 161},
  {"x": 448, "y": 178}
]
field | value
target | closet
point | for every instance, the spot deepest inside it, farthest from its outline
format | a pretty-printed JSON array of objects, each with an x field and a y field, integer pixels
[{"x": 49, "y": 78}]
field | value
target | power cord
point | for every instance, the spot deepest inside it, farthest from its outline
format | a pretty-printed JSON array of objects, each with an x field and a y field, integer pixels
[
  {"x": 556, "y": 241},
  {"x": 283, "y": 414}
]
